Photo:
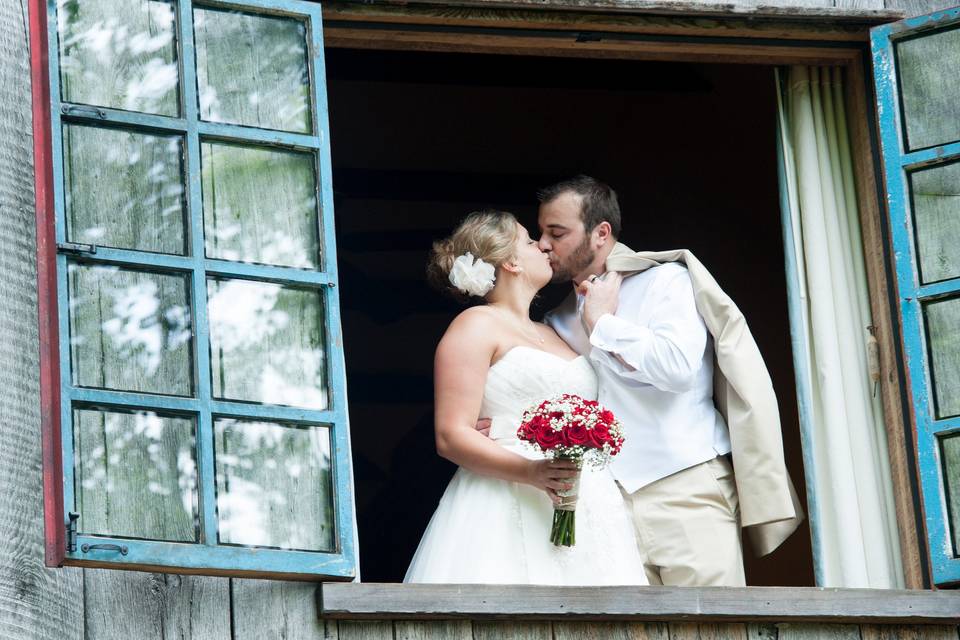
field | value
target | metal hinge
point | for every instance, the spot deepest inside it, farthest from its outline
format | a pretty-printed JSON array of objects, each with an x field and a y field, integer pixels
[
  {"x": 76, "y": 247},
  {"x": 72, "y": 531},
  {"x": 80, "y": 110}
]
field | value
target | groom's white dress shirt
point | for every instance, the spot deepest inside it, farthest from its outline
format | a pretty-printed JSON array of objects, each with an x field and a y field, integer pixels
[{"x": 654, "y": 361}]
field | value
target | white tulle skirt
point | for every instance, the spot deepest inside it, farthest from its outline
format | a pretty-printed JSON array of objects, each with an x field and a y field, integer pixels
[{"x": 487, "y": 530}]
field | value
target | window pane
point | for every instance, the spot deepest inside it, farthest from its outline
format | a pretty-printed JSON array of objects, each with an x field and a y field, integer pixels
[
  {"x": 260, "y": 205},
  {"x": 136, "y": 475},
  {"x": 930, "y": 93},
  {"x": 950, "y": 450},
  {"x": 936, "y": 214},
  {"x": 252, "y": 70},
  {"x": 274, "y": 485},
  {"x": 124, "y": 189},
  {"x": 119, "y": 54},
  {"x": 943, "y": 327},
  {"x": 130, "y": 330},
  {"x": 266, "y": 343}
]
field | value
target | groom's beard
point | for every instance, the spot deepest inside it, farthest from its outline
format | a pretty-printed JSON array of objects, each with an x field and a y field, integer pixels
[{"x": 575, "y": 263}]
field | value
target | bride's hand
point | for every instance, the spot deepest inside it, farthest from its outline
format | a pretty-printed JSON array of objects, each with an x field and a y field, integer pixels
[{"x": 551, "y": 476}]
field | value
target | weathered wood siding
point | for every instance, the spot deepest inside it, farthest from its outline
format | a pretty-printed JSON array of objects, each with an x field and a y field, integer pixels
[
  {"x": 36, "y": 602},
  {"x": 472, "y": 630}
]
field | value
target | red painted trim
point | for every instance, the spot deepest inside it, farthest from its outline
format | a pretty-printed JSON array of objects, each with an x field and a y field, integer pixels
[{"x": 53, "y": 521}]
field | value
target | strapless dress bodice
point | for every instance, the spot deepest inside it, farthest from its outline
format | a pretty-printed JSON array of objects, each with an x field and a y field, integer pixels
[{"x": 523, "y": 378}]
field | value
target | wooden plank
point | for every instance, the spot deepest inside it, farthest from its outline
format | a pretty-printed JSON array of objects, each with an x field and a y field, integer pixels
[
  {"x": 609, "y": 630},
  {"x": 364, "y": 629},
  {"x": 707, "y": 604},
  {"x": 416, "y": 40},
  {"x": 908, "y": 632},
  {"x": 900, "y": 446},
  {"x": 691, "y": 631},
  {"x": 336, "y": 13},
  {"x": 34, "y": 602},
  {"x": 123, "y": 604},
  {"x": 796, "y": 9},
  {"x": 819, "y": 632},
  {"x": 512, "y": 630},
  {"x": 434, "y": 630},
  {"x": 869, "y": 5},
  {"x": 147, "y": 606},
  {"x": 913, "y": 8},
  {"x": 196, "y": 607},
  {"x": 274, "y": 608}
]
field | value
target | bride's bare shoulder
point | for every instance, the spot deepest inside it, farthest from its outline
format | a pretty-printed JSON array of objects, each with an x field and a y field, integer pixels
[{"x": 476, "y": 328}]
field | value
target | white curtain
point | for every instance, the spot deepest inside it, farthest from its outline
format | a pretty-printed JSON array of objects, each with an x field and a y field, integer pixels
[{"x": 852, "y": 515}]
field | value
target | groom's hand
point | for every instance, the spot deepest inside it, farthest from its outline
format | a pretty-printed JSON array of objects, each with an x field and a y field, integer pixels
[
  {"x": 601, "y": 296},
  {"x": 483, "y": 426}
]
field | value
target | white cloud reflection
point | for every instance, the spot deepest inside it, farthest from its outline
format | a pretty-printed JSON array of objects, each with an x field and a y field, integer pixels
[
  {"x": 266, "y": 344},
  {"x": 273, "y": 484},
  {"x": 119, "y": 53}
]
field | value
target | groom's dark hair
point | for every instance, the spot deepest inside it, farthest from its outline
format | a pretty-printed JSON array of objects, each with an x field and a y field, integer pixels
[{"x": 599, "y": 201}]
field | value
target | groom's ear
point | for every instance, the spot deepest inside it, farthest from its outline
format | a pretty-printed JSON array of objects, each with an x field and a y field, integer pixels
[{"x": 601, "y": 234}]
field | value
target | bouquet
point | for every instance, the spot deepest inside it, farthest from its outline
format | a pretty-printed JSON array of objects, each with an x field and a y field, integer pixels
[{"x": 568, "y": 427}]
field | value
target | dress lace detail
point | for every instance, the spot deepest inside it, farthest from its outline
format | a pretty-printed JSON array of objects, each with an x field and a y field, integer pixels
[{"x": 487, "y": 530}]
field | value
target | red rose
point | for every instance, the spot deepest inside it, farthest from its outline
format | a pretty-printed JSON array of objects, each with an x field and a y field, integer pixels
[
  {"x": 607, "y": 416},
  {"x": 577, "y": 434},
  {"x": 600, "y": 435},
  {"x": 528, "y": 430},
  {"x": 547, "y": 438}
]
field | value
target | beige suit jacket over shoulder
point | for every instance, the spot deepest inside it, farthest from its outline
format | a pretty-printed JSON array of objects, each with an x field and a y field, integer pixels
[{"x": 743, "y": 393}]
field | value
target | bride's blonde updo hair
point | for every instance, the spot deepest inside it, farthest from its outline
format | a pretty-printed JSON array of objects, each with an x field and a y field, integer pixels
[{"x": 488, "y": 235}]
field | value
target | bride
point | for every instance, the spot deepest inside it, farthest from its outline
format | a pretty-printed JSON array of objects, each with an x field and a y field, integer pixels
[{"x": 493, "y": 522}]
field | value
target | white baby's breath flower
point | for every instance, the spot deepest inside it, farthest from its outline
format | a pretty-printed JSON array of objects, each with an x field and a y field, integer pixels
[{"x": 472, "y": 277}]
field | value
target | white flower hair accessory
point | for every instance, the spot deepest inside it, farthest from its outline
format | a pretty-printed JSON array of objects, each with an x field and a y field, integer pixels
[{"x": 474, "y": 278}]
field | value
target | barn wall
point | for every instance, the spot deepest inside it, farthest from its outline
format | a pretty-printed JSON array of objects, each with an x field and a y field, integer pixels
[{"x": 36, "y": 602}]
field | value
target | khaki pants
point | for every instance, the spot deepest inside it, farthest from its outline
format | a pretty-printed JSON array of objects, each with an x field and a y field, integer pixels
[{"x": 688, "y": 527}]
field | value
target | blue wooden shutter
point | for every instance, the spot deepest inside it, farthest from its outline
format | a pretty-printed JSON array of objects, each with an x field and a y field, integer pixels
[
  {"x": 178, "y": 400},
  {"x": 916, "y": 69}
]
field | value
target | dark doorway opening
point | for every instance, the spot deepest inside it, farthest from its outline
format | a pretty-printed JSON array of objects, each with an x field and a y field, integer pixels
[{"x": 421, "y": 139}]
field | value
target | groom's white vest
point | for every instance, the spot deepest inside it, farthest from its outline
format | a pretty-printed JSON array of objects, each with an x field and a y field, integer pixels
[{"x": 743, "y": 393}]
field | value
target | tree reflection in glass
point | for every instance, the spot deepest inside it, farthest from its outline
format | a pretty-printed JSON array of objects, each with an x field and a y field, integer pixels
[
  {"x": 143, "y": 207},
  {"x": 136, "y": 475},
  {"x": 266, "y": 343},
  {"x": 274, "y": 484},
  {"x": 943, "y": 334},
  {"x": 119, "y": 54},
  {"x": 259, "y": 205},
  {"x": 130, "y": 330},
  {"x": 252, "y": 70}
]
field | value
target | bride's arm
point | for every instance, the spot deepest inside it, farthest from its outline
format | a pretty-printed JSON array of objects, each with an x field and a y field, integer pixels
[{"x": 460, "y": 372}]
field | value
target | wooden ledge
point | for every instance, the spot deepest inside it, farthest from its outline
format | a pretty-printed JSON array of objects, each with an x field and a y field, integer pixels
[
  {"x": 353, "y": 601},
  {"x": 708, "y": 8}
]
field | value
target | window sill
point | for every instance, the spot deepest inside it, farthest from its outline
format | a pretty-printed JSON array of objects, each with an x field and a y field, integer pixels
[{"x": 357, "y": 601}]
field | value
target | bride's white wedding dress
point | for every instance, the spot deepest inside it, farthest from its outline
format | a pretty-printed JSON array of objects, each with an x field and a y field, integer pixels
[{"x": 487, "y": 530}]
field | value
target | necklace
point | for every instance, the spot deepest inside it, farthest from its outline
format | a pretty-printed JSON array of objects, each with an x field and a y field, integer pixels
[{"x": 537, "y": 338}]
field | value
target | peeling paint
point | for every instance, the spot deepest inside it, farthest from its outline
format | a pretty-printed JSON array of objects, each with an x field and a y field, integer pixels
[{"x": 896, "y": 162}]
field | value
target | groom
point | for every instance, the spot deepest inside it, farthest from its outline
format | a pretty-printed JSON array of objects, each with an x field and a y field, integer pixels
[{"x": 651, "y": 337}]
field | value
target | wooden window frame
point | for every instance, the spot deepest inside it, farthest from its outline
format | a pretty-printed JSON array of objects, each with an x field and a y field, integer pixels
[
  {"x": 524, "y": 603},
  {"x": 58, "y": 396},
  {"x": 613, "y": 29},
  {"x": 898, "y": 163}
]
